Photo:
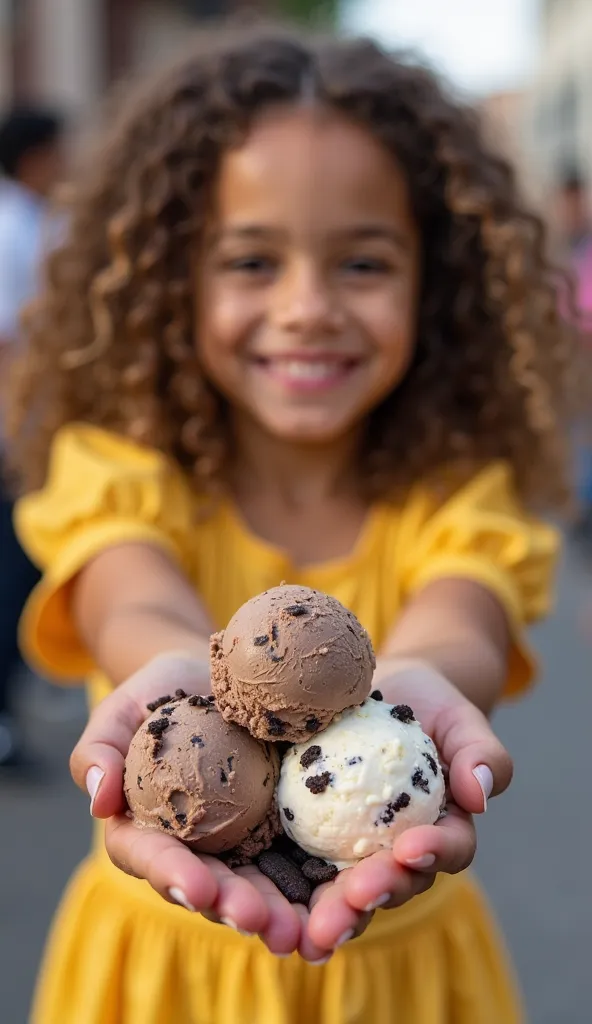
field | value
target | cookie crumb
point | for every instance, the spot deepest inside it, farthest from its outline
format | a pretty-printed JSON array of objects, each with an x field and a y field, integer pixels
[
  {"x": 376, "y": 695},
  {"x": 180, "y": 694},
  {"x": 199, "y": 702},
  {"x": 419, "y": 780},
  {"x": 318, "y": 783},
  {"x": 296, "y": 610},
  {"x": 139, "y": 782},
  {"x": 391, "y": 809},
  {"x": 285, "y": 875},
  {"x": 354, "y": 760},
  {"x": 312, "y": 724},
  {"x": 432, "y": 762},
  {"x": 158, "y": 727},
  {"x": 155, "y": 704},
  {"x": 310, "y": 756},
  {"x": 318, "y": 871},
  {"x": 223, "y": 777},
  {"x": 196, "y": 741},
  {"x": 289, "y": 814},
  {"x": 260, "y": 641},
  {"x": 181, "y": 818},
  {"x": 275, "y": 726},
  {"x": 403, "y": 713},
  {"x": 165, "y": 823}
]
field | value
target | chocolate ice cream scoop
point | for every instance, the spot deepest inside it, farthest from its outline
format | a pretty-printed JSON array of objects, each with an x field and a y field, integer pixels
[
  {"x": 289, "y": 660},
  {"x": 203, "y": 780}
]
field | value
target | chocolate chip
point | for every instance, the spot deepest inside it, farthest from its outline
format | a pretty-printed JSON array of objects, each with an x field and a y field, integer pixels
[
  {"x": 139, "y": 782},
  {"x": 298, "y": 855},
  {"x": 376, "y": 695},
  {"x": 312, "y": 724},
  {"x": 181, "y": 818},
  {"x": 165, "y": 823},
  {"x": 223, "y": 777},
  {"x": 419, "y": 780},
  {"x": 275, "y": 726},
  {"x": 296, "y": 610},
  {"x": 285, "y": 875},
  {"x": 403, "y": 713},
  {"x": 155, "y": 704},
  {"x": 199, "y": 702},
  {"x": 318, "y": 871},
  {"x": 310, "y": 756},
  {"x": 196, "y": 741},
  {"x": 180, "y": 694},
  {"x": 289, "y": 814},
  {"x": 432, "y": 763},
  {"x": 158, "y": 727},
  {"x": 276, "y": 657},
  {"x": 354, "y": 760},
  {"x": 391, "y": 809},
  {"x": 260, "y": 641},
  {"x": 318, "y": 783}
]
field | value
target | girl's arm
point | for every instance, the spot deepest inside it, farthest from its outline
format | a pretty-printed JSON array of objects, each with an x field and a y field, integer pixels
[
  {"x": 458, "y": 628},
  {"x": 132, "y": 603}
]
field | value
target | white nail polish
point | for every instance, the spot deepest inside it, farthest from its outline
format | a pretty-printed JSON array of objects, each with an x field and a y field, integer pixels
[
  {"x": 94, "y": 777},
  {"x": 420, "y": 863},
  {"x": 349, "y": 934},
  {"x": 228, "y": 921},
  {"x": 484, "y": 777},
  {"x": 319, "y": 963},
  {"x": 380, "y": 902},
  {"x": 179, "y": 897}
]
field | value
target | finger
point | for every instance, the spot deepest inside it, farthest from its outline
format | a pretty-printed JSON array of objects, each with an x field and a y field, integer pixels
[
  {"x": 98, "y": 758},
  {"x": 333, "y": 920},
  {"x": 448, "y": 846},
  {"x": 380, "y": 881},
  {"x": 282, "y": 932},
  {"x": 307, "y": 948},
  {"x": 163, "y": 861},
  {"x": 479, "y": 764}
]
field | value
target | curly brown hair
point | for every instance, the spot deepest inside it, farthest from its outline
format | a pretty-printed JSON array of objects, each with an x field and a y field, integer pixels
[{"x": 110, "y": 340}]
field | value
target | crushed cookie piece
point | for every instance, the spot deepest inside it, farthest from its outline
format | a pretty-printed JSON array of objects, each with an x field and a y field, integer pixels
[
  {"x": 139, "y": 782},
  {"x": 391, "y": 809},
  {"x": 419, "y": 780},
  {"x": 318, "y": 871},
  {"x": 165, "y": 823},
  {"x": 181, "y": 818},
  {"x": 354, "y": 760},
  {"x": 318, "y": 783},
  {"x": 403, "y": 713},
  {"x": 285, "y": 875},
  {"x": 376, "y": 695},
  {"x": 432, "y": 762},
  {"x": 196, "y": 741},
  {"x": 199, "y": 702},
  {"x": 158, "y": 727},
  {"x": 289, "y": 814},
  {"x": 312, "y": 724},
  {"x": 155, "y": 704},
  {"x": 310, "y": 756},
  {"x": 296, "y": 610},
  {"x": 275, "y": 726}
]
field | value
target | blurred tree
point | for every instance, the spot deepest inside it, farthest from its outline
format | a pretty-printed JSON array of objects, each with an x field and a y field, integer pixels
[{"x": 309, "y": 10}]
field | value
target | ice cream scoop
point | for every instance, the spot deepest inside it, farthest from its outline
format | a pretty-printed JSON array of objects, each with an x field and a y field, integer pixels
[
  {"x": 367, "y": 778},
  {"x": 289, "y": 660},
  {"x": 206, "y": 781}
]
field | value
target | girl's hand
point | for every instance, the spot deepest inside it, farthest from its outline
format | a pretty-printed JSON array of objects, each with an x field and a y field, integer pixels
[
  {"x": 243, "y": 899},
  {"x": 478, "y": 767}
]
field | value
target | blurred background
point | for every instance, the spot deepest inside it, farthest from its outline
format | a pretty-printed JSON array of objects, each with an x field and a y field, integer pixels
[{"x": 527, "y": 64}]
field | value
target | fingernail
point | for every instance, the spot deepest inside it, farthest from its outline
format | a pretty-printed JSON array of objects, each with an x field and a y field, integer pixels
[
  {"x": 179, "y": 897},
  {"x": 419, "y": 863},
  {"x": 380, "y": 902},
  {"x": 349, "y": 934},
  {"x": 228, "y": 921},
  {"x": 319, "y": 963},
  {"x": 94, "y": 777},
  {"x": 485, "y": 779},
  {"x": 282, "y": 956}
]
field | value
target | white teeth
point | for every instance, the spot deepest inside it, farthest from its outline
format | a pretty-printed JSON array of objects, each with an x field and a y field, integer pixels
[{"x": 308, "y": 370}]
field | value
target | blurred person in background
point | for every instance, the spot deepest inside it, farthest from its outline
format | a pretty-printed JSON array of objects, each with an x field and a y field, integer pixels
[
  {"x": 301, "y": 328},
  {"x": 574, "y": 225},
  {"x": 31, "y": 150}
]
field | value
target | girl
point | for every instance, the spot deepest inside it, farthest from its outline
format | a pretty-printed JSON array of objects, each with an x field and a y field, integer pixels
[{"x": 301, "y": 329}]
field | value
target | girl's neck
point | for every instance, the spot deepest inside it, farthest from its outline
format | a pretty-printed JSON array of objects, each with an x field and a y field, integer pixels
[{"x": 291, "y": 474}]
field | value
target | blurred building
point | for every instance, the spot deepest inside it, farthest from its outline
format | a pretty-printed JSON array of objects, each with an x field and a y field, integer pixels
[
  {"x": 67, "y": 52},
  {"x": 558, "y": 121}
]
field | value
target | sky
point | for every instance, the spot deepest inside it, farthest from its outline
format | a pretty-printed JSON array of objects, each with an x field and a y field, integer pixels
[{"x": 481, "y": 45}]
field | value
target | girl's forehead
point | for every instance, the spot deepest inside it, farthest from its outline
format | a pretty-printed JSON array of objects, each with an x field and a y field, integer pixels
[{"x": 310, "y": 160}]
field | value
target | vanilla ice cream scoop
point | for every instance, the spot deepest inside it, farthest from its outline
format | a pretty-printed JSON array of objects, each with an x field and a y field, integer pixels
[{"x": 351, "y": 790}]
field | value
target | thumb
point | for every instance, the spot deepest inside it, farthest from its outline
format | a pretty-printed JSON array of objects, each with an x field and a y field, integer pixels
[
  {"x": 479, "y": 764},
  {"x": 98, "y": 759}
]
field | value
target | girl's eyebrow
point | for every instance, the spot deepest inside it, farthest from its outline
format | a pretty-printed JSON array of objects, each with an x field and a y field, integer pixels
[{"x": 358, "y": 232}]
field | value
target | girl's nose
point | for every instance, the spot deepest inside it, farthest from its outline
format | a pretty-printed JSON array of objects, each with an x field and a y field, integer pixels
[{"x": 306, "y": 304}]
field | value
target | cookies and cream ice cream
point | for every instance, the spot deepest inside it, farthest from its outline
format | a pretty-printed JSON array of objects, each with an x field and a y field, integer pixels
[
  {"x": 289, "y": 660},
  {"x": 350, "y": 791},
  {"x": 206, "y": 781}
]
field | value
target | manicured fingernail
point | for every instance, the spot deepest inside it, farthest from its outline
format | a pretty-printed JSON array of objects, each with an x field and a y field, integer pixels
[
  {"x": 228, "y": 921},
  {"x": 94, "y": 777},
  {"x": 380, "y": 902},
  {"x": 419, "y": 863},
  {"x": 179, "y": 897},
  {"x": 282, "y": 956},
  {"x": 341, "y": 941},
  {"x": 319, "y": 963},
  {"x": 485, "y": 779}
]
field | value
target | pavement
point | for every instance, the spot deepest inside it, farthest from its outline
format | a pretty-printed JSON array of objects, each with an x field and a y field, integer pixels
[{"x": 534, "y": 843}]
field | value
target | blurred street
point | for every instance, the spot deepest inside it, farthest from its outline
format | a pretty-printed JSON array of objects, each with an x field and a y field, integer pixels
[{"x": 534, "y": 842}]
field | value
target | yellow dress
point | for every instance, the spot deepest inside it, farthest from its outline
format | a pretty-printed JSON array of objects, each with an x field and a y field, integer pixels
[{"x": 118, "y": 953}]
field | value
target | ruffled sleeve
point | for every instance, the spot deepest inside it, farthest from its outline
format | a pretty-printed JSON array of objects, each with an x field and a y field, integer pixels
[
  {"x": 483, "y": 534},
  {"x": 101, "y": 490}
]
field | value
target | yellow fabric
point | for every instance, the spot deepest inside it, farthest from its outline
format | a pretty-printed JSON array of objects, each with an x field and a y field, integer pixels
[{"x": 121, "y": 955}]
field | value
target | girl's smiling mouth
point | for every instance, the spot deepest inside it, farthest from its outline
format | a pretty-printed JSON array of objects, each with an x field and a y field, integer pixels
[{"x": 305, "y": 372}]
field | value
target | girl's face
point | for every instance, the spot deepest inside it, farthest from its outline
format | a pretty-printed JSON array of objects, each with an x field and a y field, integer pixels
[{"x": 308, "y": 276}]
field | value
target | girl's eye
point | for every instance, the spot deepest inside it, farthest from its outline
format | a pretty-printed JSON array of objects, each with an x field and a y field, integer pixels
[
  {"x": 366, "y": 265},
  {"x": 251, "y": 265}
]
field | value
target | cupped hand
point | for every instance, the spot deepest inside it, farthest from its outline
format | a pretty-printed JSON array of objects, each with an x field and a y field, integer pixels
[
  {"x": 243, "y": 899},
  {"x": 478, "y": 766}
]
